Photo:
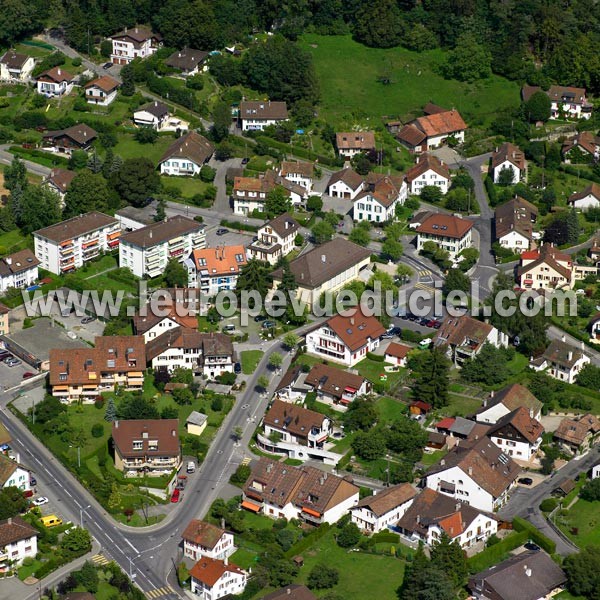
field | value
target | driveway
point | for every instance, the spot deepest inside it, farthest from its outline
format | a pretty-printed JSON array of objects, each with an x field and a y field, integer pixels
[{"x": 222, "y": 205}]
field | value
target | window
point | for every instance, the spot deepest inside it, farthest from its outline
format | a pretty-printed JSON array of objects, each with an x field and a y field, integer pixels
[{"x": 137, "y": 445}]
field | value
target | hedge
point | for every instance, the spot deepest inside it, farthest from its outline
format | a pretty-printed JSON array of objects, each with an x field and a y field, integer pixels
[
  {"x": 583, "y": 173},
  {"x": 297, "y": 151},
  {"x": 376, "y": 357},
  {"x": 236, "y": 225},
  {"x": 522, "y": 526},
  {"x": 306, "y": 542},
  {"x": 496, "y": 553},
  {"x": 386, "y": 537},
  {"x": 30, "y": 152}
]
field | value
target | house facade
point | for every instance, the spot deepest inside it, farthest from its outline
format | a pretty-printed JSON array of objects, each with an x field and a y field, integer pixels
[
  {"x": 569, "y": 102},
  {"x": 351, "y": 143},
  {"x": 583, "y": 148},
  {"x": 59, "y": 181},
  {"x": 428, "y": 171},
  {"x": 202, "y": 539},
  {"x": 188, "y": 61},
  {"x": 564, "y": 362},
  {"x": 18, "y": 270},
  {"x": 250, "y": 194},
  {"x": 518, "y": 434},
  {"x": 76, "y": 137},
  {"x": 154, "y": 114},
  {"x": 186, "y": 155},
  {"x": 396, "y": 354},
  {"x": 15, "y": 66},
  {"x": 336, "y": 387},
  {"x": 137, "y": 42},
  {"x": 70, "y": 244},
  {"x": 508, "y": 158},
  {"x": 432, "y": 130},
  {"x": 345, "y": 184},
  {"x": 451, "y": 233},
  {"x": 514, "y": 224},
  {"x": 256, "y": 115},
  {"x": 101, "y": 91},
  {"x": 588, "y": 198},
  {"x": 545, "y": 268},
  {"x": 212, "y": 579},
  {"x": 13, "y": 474},
  {"x": 18, "y": 541},
  {"x": 504, "y": 401},
  {"x": 54, "y": 82},
  {"x": 377, "y": 203},
  {"x": 300, "y": 173},
  {"x": 276, "y": 238},
  {"x": 577, "y": 435},
  {"x": 212, "y": 270}
]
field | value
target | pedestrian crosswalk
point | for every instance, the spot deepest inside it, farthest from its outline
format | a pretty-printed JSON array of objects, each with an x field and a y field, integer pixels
[
  {"x": 158, "y": 592},
  {"x": 424, "y": 286},
  {"x": 424, "y": 272},
  {"x": 246, "y": 461},
  {"x": 100, "y": 559}
]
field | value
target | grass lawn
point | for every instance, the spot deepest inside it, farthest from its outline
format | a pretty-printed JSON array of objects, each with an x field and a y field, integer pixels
[
  {"x": 390, "y": 409},
  {"x": 129, "y": 148},
  {"x": 460, "y": 406},
  {"x": 431, "y": 458},
  {"x": 415, "y": 81},
  {"x": 374, "y": 371},
  {"x": 584, "y": 517},
  {"x": 94, "y": 267},
  {"x": 244, "y": 558},
  {"x": 25, "y": 571},
  {"x": 33, "y": 51},
  {"x": 250, "y": 360},
  {"x": 517, "y": 363},
  {"x": 187, "y": 186},
  {"x": 13, "y": 241}
]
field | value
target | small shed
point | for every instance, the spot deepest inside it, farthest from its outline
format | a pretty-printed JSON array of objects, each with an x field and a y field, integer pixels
[
  {"x": 565, "y": 488},
  {"x": 196, "y": 423},
  {"x": 418, "y": 407},
  {"x": 298, "y": 561}
]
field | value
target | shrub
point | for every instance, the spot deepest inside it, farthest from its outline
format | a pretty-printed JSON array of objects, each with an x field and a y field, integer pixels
[
  {"x": 76, "y": 62},
  {"x": 241, "y": 475},
  {"x": 226, "y": 378},
  {"x": 217, "y": 404},
  {"x": 97, "y": 430},
  {"x": 323, "y": 577},
  {"x": 539, "y": 538},
  {"x": 548, "y": 504},
  {"x": 27, "y": 323},
  {"x": 375, "y": 357}
]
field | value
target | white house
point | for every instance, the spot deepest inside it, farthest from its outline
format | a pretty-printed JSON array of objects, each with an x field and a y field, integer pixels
[
  {"x": 546, "y": 268},
  {"x": 514, "y": 224},
  {"x": 346, "y": 183},
  {"x": 186, "y": 155},
  {"x": 596, "y": 471},
  {"x": 517, "y": 434},
  {"x": 13, "y": 474},
  {"x": 508, "y": 158},
  {"x": 18, "y": 270},
  {"x": 300, "y": 173},
  {"x": 15, "y": 66},
  {"x": 510, "y": 398},
  {"x": 570, "y": 102},
  {"x": 154, "y": 114},
  {"x": 475, "y": 472},
  {"x": 383, "y": 509},
  {"x": 336, "y": 387},
  {"x": 345, "y": 339},
  {"x": 276, "y": 238},
  {"x": 431, "y": 514},
  {"x": 563, "y": 361},
  {"x": 450, "y": 233},
  {"x": 250, "y": 193},
  {"x": 188, "y": 61},
  {"x": 432, "y": 130},
  {"x": 146, "y": 251},
  {"x": 257, "y": 114},
  {"x": 396, "y": 354},
  {"x": 377, "y": 203},
  {"x": 101, "y": 91},
  {"x": 137, "y": 42},
  {"x": 428, "y": 171},
  {"x": 18, "y": 540},
  {"x": 588, "y": 198},
  {"x": 175, "y": 312},
  {"x": 59, "y": 180},
  {"x": 583, "y": 147},
  {"x": 205, "y": 539},
  {"x": 212, "y": 579},
  {"x": 350, "y": 143},
  {"x": 54, "y": 82},
  {"x": 212, "y": 270}
]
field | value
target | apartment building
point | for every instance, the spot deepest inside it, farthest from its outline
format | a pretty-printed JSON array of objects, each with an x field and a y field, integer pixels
[
  {"x": 137, "y": 42},
  {"x": 450, "y": 233},
  {"x": 18, "y": 270},
  {"x": 212, "y": 270},
  {"x": 276, "y": 238},
  {"x": 257, "y": 114}
]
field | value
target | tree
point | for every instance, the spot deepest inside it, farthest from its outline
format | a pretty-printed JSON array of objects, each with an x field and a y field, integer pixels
[
  {"x": 361, "y": 414},
  {"x": 254, "y": 276},
  {"x": 161, "y": 213},
  {"x": 322, "y": 577},
  {"x": 277, "y": 202},
  {"x": 15, "y": 175},
  {"x": 94, "y": 163},
  {"x": 275, "y": 360},
  {"x": 392, "y": 249},
  {"x": 135, "y": 406},
  {"x": 314, "y": 203},
  {"x": 190, "y": 24},
  {"x": 322, "y": 232},
  {"x": 291, "y": 340},
  {"x": 431, "y": 194},
  {"x": 263, "y": 382},
  {"x": 573, "y": 227},
  {"x": 111, "y": 412},
  {"x": 12, "y": 502},
  {"x": 183, "y": 396},
  {"x": 589, "y": 377},
  {"x": 105, "y": 48},
  {"x": 39, "y": 207},
  {"x": 456, "y": 280},
  {"x": 478, "y": 368},
  {"x": 128, "y": 85},
  {"x": 538, "y": 107},
  {"x": 360, "y": 236},
  {"x": 175, "y": 274},
  {"x": 379, "y": 24},
  {"x": 469, "y": 60},
  {"x": 591, "y": 490},
  {"x": 87, "y": 576},
  {"x": 348, "y": 536},
  {"x": 146, "y": 135},
  {"x": 368, "y": 445},
  {"x": 77, "y": 541},
  {"x": 136, "y": 181},
  {"x": 406, "y": 436},
  {"x": 462, "y": 179},
  {"x": 424, "y": 581},
  {"x": 361, "y": 164},
  {"x": 88, "y": 191},
  {"x": 221, "y": 115},
  {"x": 404, "y": 273},
  {"x": 241, "y": 475},
  {"x": 431, "y": 377},
  {"x": 506, "y": 177},
  {"x": 450, "y": 558},
  {"x": 78, "y": 160},
  {"x": 469, "y": 257},
  {"x": 583, "y": 572}
]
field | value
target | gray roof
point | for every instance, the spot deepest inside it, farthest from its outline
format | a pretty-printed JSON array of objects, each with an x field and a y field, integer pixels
[
  {"x": 462, "y": 426},
  {"x": 187, "y": 59},
  {"x": 158, "y": 109},
  {"x": 76, "y": 226},
  {"x": 143, "y": 215},
  {"x": 196, "y": 418},
  {"x": 158, "y": 233}
]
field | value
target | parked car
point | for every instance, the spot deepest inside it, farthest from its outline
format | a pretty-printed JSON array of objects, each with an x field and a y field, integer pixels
[
  {"x": 14, "y": 362},
  {"x": 437, "y": 324},
  {"x": 107, "y": 65},
  {"x": 259, "y": 318},
  {"x": 27, "y": 493},
  {"x": 32, "y": 480},
  {"x": 87, "y": 320},
  {"x": 532, "y": 546},
  {"x": 229, "y": 328},
  {"x": 222, "y": 231},
  {"x": 7, "y": 358},
  {"x": 175, "y": 496},
  {"x": 40, "y": 501},
  {"x": 430, "y": 323},
  {"x": 245, "y": 161},
  {"x": 28, "y": 375},
  {"x": 423, "y": 321},
  {"x": 525, "y": 481},
  {"x": 269, "y": 325},
  {"x": 4, "y": 354},
  {"x": 237, "y": 368},
  {"x": 191, "y": 467}
]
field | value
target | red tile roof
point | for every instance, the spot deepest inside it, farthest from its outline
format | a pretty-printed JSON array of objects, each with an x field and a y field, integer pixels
[
  {"x": 444, "y": 123},
  {"x": 202, "y": 533},
  {"x": 355, "y": 329},
  {"x": 445, "y": 225},
  {"x": 397, "y": 350},
  {"x": 106, "y": 83},
  {"x": 223, "y": 260},
  {"x": 428, "y": 162},
  {"x": 209, "y": 570},
  {"x": 355, "y": 140}
]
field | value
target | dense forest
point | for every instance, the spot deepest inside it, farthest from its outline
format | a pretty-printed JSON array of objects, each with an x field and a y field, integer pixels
[{"x": 538, "y": 41}]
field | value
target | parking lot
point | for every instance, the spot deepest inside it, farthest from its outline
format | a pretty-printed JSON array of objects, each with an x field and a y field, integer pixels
[
  {"x": 72, "y": 322},
  {"x": 13, "y": 376},
  {"x": 231, "y": 238}
]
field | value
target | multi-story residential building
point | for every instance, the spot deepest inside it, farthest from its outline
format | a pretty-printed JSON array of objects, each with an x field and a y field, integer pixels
[
  {"x": 80, "y": 374},
  {"x": 545, "y": 268},
  {"x": 76, "y": 137},
  {"x": 563, "y": 361},
  {"x": 508, "y": 158},
  {"x": 431, "y": 515},
  {"x": 428, "y": 171},
  {"x": 137, "y": 42},
  {"x": 345, "y": 339},
  {"x": 213, "y": 270},
  {"x": 15, "y": 66},
  {"x": 588, "y": 198},
  {"x": 146, "y": 251},
  {"x": 517, "y": 434},
  {"x": 280, "y": 491},
  {"x": 54, "y": 82},
  {"x": 205, "y": 539},
  {"x": 346, "y": 183},
  {"x": 475, "y": 472},
  {"x": 59, "y": 180},
  {"x": 178, "y": 309},
  {"x": 13, "y": 474},
  {"x": 255, "y": 115},
  {"x": 18, "y": 270},
  {"x": 350, "y": 143},
  {"x": 579, "y": 434},
  {"x": 510, "y": 398},
  {"x": 4, "y": 323},
  {"x": 276, "y": 238},
  {"x": 450, "y": 233},
  {"x": 383, "y": 509},
  {"x": 212, "y": 579},
  {"x": 379, "y": 198},
  {"x": 570, "y": 102},
  {"x": 70, "y": 244},
  {"x": 146, "y": 446},
  {"x": 102, "y": 90},
  {"x": 250, "y": 194},
  {"x": 188, "y": 61},
  {"x": 514, "y": 224},
  {"x": 336, "y": 387},
  {"x": 300, "y": 173},
  {"x": 432, "y": 130},
  {"x": 326, "y": 268},
  {"x": 18, "y": 540},
  {"x": 186, "y": 155}
]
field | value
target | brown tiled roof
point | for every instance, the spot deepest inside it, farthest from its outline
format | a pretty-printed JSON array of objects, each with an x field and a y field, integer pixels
[
  {"x": 81, "y": 134},
  {"x": 411, "y": 135},
  {"x": 355, "y": 140},
  {"x": 332, "y": 380},
  {"x": 562, "y": 353},
  {"x": 293, "y": 418},
  {"x": 531, "y": 429},
  {"x": 529, "y": 90},
  {"x": 593, "y": 189},
  {"x": 586, "y": 141},
  {"x": 509, "y": 152},
  {"x": 350, "y": 177},
  {"x": 14, "y": 60},
  {"x": 163, "y": 231},
  {"x": 212, "y": 344},
  {"x": 547, "y": 255},
  {"x": 4, "y": 310},
  {"x": 385, "y": 189},
  {"x": 444, "y": 123},
  {"x": 137, "y": 34},
  {"x": 290, "y": 167},
  {"x": 291, "y": 592},
  {"x": 388, "y": 499},
  {"x": 61, "y": 178},
  {"x": 463, "y": 330},
  {"x": 397, "y": 350},
  {"x": 425, "y": 163},
  {"x": 223, "y": 260},
  {"x": 106, "y": 83},
  {"x": 263, "y": 109},
  {"x": 253, "y": 184},
  {"x": 283, "y": 225},
  {"x": 7, "y": 468},
  {"x": 325, "y": 262},
  {"x": 445, "y": 225},
  {"x": 433, "y": 109},
  {"x": 163, "y": 431},
  {"x": 15, "y": 529},
  {"x": 55, "y": 75},
  {"x": 143, "y": 323},
  {"x": 573, "y": 95},
  {"x": 515, "y": 215},
  {"x": 202, "y": 533},
  {"x": 79, "y": 596},
  {"x": 187, "y": 59},
  {"x": 513, "y": 397},
  {"x": 192, "y": 146},
  {"x": 488, "y": 466},
  {"x": 18, "y": 262},
  {"x": 575, "y": 431},
  {"x": 76, "y": 226},
  {"x": 355, "y": 328},
  {"x": 209, "y": 570}
]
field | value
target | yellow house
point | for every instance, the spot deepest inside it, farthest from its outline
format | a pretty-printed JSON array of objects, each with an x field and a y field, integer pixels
[
  {"x": 196, "y": 423},
  {"x": 4, "y": 310}
]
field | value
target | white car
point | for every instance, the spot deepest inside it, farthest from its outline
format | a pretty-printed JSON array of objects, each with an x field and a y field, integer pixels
[{"x": 39, "y": 501}]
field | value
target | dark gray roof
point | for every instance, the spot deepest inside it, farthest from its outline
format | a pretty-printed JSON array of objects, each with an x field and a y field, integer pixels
[
  {"x": 14, "y": 60},
  {"x": 160, "y": 232},
  {"x": 284, "y": 225},
  {"x": 76, "y": 226},
  {"x": 187, "y": 59},
  {"x": 192, "y": 146},
  {"x": 158, "y": 109}
]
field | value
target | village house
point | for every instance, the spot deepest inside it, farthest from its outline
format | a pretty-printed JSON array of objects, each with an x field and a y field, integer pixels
[
  {"x": 336, "y": 387},
  {"x": 428, "y": 171},
  {"x": 188, "y": 61},
  {"x": 178, "y": 308},
  {"x": 545, "y": 268},
  {"x": 594, "y": 329},
  {"x": 137, "y": 42},
  {"x": 14, "y": 474},
  {"x": 464, "y": 337},
  {"x": 202, "y": 539},
  {"x": 345, "y": 339},
  {"x": 349, "y": 144},
  {"x": 70, "y": 244},
  {"x": 18, "y": 541},
  {"x": 459, "y": 427},
  {"x": 101, "y": 91},
  {"x": 59, "y": 180},
  {"x": 518, "y": 434},
  {"x": 476, "y": 472},
  {"x": 432, "y": 130},
  {"x": 514, "y": 224},
  {"x": 383, "y": 509},
  {"x": 419, "y": 408},
  {"x": 396, "y": 354},
  {"x": 212, "y": 579},
  {"x": 588, "y": 198},
  {"x": 186, "y": 155},
  {"x": 257, "y": 114},
  {"x": 54, "y": 82},
  {"x": 563, "y": 361},
  {"x": 326, "y": 268},
  {"x": 569, "y": 102},
  {"x": 300, "y": 173},
  {"x": 15, "y": 66},
  {"x": 280, "y": 491},
  {"x": 379, "y": 198},
  {"x": 250, "y": 194},
  {"x": 508, "y": 399},
  {"x": 4, "y": 321},
  {"x": 154, "y": 114},
  {"x": 76, "y": 137},
  {"x": 346, "y": 183},
  {"x": 508, "y": 158},
  {"x": 291, "y": 387},
  {"x": 146, "y": 251},
  {"x": 450, "y": 233},
  {"x": 583, "y": 148},
  {"x": 431, "y": 515},
  {"x": 18, "y": 270},
  {"x": 533, "y": 573},
  {"x": 577, "y": 435},
  {"x": 275, "y": 239},
  {"x": 212, "y": 270}
]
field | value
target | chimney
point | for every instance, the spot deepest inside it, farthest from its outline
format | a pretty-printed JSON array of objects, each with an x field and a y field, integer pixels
[
  {"x": 8, "y": 261},
  {"x": 173, "y": 433},
  {"x": 352, "y": 321},
  {"x": 570, "y": 355},
  {"x": 323, "y": 258},
  {"x": 136, "y": 29},
  {"x": 287, "y": 224},
  {"x": 58, "y": 71},
  {"x": 222, "y": 523},
  {"x": 564, "y": 338},
  {"x": 531, "y": 413},
  {"x": 150, "y": 234},
  {"x": 470, "y": 470},
  {"x": 527, "y": 570},
  {"x": 226, "y": 561},
  {"x": 288, "y": 591},
  {"x": 443, "y": 462},
  {"x": 457, "y": 506},
  {"x": 418, "y": 519},
  {"x": 116, "y": 424},
  {"x": 9, "y": 521},
  {"x": 492, "y": 394}
]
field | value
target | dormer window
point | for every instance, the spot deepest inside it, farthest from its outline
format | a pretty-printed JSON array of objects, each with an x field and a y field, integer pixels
[{"x": 138, "y": 445}]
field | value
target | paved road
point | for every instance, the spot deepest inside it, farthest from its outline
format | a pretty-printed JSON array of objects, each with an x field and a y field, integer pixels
[
  {"x": 555, "y": 333},
  {"x": 6, "y": 158}
]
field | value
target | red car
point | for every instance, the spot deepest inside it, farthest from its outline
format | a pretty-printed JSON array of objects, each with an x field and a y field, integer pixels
[
  {"x": 28, "y": 374},
  {"x": 175, "y": 496}
]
